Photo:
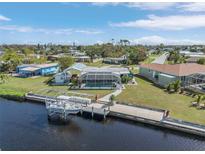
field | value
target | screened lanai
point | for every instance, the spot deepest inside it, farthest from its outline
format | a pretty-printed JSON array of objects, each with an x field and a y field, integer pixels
[
  {"x": 195, "y": 82},
  {"x": 100, "y": 79}
]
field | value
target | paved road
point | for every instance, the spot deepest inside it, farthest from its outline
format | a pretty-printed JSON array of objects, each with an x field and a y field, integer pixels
[{"x": 161, "y": 59}]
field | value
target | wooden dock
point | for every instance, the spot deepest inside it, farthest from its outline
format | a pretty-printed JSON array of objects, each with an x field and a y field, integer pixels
[{"x": 96, "y": 108}]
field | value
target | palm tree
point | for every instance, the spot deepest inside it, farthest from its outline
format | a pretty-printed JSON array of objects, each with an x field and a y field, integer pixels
[
  {"x": 199, "y": 98},
  {"x": 177, "y": 85},
  {"x": 111, "y": 102}
]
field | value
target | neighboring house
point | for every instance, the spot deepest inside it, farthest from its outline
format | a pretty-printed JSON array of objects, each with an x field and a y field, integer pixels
[
  {"x": 192, "y": 59},
  {"x": 102, "y": 78},
  {"x": 82, "y": 58},
  {"x": 28, "y": 70},
  {"x": 120, "y": 60},
  {"x": 164, "y": 74},
  {"x": 62, "y": 78},
  {"x": 65, "y": 76},
  {"x": 192, "y": 54}
]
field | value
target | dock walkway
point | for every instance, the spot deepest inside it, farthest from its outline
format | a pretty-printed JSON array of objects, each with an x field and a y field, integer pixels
[
  {"x": 137, "y": 112},
  {"x": 96, "y": 108},
  {"x": 130, "y": 112}
]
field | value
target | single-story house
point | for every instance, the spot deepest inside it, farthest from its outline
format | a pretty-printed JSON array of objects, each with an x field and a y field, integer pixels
[
  {"x": 120, "y": 60},
  {"x": 82, "y": 58},
  {"x": 102, "y": 78},
  {"x": 27, "y": 70},
  {"x": 163, "y": 74},
  {"x": 192, "y": 59},
  {"x": 62, "y": 78},
  {"x": 192, "y": 54},
  {"x": 65, "y": 76}
]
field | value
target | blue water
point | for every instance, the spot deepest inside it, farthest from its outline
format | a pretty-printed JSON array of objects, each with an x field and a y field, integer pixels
[{"x": 24, "y": 126}]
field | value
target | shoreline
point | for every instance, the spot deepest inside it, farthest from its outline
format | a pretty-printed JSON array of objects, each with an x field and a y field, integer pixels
[
  {"x": 14, "y": 97},
  {"x": 168, "y": 123}
]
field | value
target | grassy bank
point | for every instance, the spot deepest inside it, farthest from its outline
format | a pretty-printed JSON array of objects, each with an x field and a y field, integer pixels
[
  {"x": 19, "y": 86},
  {"x": 146, "y": 94}
]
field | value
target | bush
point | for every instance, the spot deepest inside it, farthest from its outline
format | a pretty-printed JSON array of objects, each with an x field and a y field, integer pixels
[{"x": 125, "y": 79}]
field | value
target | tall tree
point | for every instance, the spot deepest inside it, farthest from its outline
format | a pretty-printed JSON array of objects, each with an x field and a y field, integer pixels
[{"x": 65, "y": 62}]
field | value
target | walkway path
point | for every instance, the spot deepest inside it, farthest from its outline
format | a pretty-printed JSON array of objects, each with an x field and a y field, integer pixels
[
  {"x": 107, "y": 97},
  {"x": 161, "y": 59},
  {"x": 137, "y": 112}
]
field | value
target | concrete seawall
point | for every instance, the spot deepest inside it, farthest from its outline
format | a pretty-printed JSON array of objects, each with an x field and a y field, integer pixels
[{"x": 143, "y": 115}]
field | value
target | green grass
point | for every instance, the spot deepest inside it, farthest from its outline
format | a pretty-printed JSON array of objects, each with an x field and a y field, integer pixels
[
  {"x": 146, "y": 94},
  {"x": 19, "y": 86}
]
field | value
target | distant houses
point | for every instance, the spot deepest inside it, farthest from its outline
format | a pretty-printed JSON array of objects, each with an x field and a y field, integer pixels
[
  {"x": 192, "y": 57},
  {"x": 164, "y": 74},
  {"x": 28, "y": 70},
  {"x": 120, "y": 60}
]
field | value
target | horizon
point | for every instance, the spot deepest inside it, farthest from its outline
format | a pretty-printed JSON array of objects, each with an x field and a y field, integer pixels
[{"x": 65, "y": 23}]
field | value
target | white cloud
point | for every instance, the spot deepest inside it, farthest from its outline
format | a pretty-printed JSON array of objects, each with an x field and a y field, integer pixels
[
  {"x": 106, "y": 3},
  {"x": 156, "y": 40},
  {"x": 177, "y": 22},
  {"x": 89, "y": 31},
  {"x": 64, "y": 31},
  {"x": 15, "y": 28},
  {"x": 193, "y": 7},
  {"x": 3, "y": 18},
  {"x": 151, "y": 6},
  {"x": 140, "y": 5}
]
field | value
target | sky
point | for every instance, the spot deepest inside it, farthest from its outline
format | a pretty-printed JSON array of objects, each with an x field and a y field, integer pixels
[{"x": 90, "y": 23}]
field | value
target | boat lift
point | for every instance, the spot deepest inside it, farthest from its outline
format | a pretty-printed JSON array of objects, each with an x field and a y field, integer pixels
[{"x": 70, "y": 105}]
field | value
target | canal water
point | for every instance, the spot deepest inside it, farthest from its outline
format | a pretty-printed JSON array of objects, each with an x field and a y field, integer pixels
[{"x": 24, "y": 126}]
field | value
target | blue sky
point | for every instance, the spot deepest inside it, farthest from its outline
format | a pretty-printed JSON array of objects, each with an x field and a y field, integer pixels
[{"x": 88, "y": 23}]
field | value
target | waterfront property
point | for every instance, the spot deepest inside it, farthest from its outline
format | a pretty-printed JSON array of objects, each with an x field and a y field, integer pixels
[
  {"x": 102, "y": 78},
  {"x": 92, "y": 77},
  {"x": 28, "y": 70},
  {"x": 164, "y": 74}
]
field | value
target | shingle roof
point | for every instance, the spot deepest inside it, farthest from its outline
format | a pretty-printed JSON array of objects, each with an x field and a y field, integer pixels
[{"x": 176, "y": 69}]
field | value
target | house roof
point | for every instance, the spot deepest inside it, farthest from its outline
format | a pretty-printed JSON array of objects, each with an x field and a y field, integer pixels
[
  {"x": 30, "y": 69},
  {"x": 176, "y": 69},
  {"x": 38, "y": 65},
  {"x": 120, "y": 70}
]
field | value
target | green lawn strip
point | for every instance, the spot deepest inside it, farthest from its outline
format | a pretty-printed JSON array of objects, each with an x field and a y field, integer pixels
[
  {"x": 146, "y": 94},
  {"x": 20, "y": 86}
]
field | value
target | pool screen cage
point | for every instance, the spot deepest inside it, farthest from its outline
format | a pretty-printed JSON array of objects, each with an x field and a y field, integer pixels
[
  {"x": 100, "y": 79},
  {"x": 195, "y": 82}
]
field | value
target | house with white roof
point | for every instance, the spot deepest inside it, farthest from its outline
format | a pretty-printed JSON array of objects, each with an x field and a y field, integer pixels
[{"x": 28, "y": 70}]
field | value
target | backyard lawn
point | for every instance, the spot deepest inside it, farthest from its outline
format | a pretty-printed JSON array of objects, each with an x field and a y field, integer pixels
[
  {"x": 147, "y": 94},
  {"x": 20, "y": 86}
]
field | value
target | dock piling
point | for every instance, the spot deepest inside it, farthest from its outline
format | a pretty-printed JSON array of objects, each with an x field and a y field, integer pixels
[
  {"x": 92, "y": 112},
  {"x": 104, "y": 114}
]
